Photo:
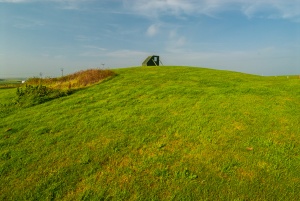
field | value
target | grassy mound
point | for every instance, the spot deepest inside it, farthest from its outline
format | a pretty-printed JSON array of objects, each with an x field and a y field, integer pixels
[{"x": 157, "y": 133}]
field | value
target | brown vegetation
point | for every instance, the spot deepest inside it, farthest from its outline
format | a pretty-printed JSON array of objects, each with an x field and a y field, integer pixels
[{"x": 77, "y": 80}]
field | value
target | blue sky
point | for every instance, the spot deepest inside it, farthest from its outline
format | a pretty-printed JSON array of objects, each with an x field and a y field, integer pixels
[{"x": 42, "y": 36}]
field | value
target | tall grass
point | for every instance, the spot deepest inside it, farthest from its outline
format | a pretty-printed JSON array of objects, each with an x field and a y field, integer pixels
[{"x": 76, "y": 80}]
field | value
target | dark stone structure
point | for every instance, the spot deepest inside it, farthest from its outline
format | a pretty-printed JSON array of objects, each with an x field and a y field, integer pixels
[{"x": 151, "y": 61}]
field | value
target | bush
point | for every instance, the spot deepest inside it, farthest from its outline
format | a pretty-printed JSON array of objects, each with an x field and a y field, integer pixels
[{"x": 33, "y": 95}]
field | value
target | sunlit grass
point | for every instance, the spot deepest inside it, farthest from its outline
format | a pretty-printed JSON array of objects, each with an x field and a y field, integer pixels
[{"x": 157, "y": 133}]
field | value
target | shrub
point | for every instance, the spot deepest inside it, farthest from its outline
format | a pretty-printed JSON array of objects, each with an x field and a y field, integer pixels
[{"x": 33, "y": 95}]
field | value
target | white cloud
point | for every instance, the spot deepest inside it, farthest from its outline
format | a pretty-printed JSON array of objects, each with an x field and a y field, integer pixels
[
  {"x": 152, "y": 30},
  {"x": 28, "y": 1},
  {"x": 286, "y": 9},
  {"x": 175, "y": 42},
  {"x": 63, "y": 4},
  {"x": 156, "y": 7},
  {"x": 71, "y": 4},
  {"x": 13, "y": 1},
  {"x": 94, "y": 47}
]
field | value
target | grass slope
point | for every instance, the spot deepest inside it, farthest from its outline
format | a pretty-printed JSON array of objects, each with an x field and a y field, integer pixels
[{"x": 157, "y": 133}]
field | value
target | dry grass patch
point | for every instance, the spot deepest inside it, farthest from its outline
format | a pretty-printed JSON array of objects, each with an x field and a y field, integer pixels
[{"x": 73, "y": 81}]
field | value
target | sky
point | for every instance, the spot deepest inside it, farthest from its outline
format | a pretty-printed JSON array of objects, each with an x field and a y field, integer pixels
[{"x": 40, "y": 37}]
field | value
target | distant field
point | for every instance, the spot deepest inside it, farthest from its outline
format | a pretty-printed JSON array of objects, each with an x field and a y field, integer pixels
[
  {"x": 156, "y": 133},
  {"x": 10, "y": 82}
]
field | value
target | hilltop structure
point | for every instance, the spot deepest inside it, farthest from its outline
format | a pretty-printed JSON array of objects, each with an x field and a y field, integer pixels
[{"x": 151, "y": 61}]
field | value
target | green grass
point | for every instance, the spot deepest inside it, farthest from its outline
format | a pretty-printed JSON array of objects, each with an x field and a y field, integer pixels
[{"x": 157, "y": 133}]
